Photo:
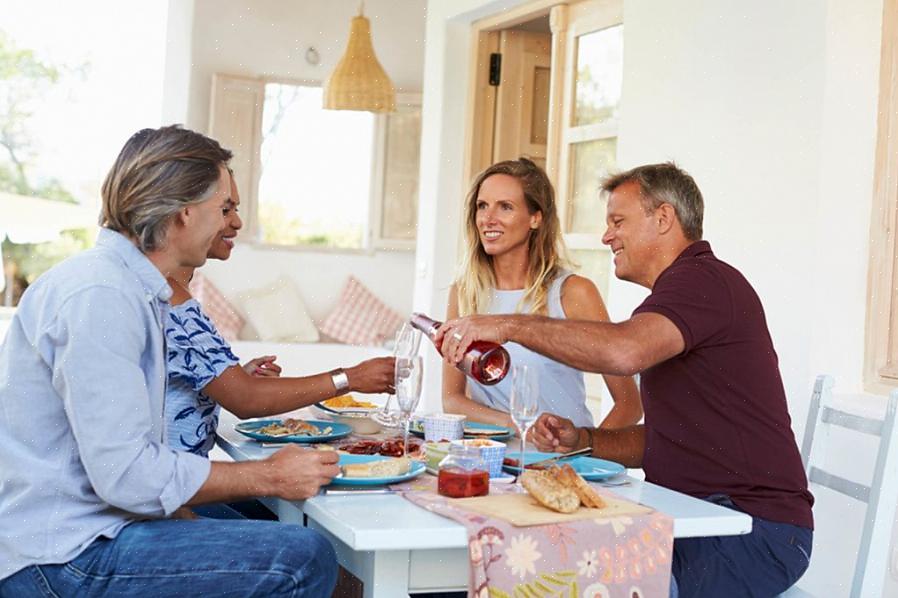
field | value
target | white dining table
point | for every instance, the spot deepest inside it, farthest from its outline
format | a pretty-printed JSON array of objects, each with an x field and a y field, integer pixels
[{"x": 395, "y": 547}]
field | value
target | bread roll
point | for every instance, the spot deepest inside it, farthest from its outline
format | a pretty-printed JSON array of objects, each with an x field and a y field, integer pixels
[
  {"x": 377, "y": 469},
  {"x": 549, "y": 492},
  {"x": 569, "y": 478}
]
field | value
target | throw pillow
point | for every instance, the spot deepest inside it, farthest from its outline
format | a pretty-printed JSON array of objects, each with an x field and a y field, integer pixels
[
  {"x": 217, "y": 307},
  {"x": 278, "y": 313},
  {"x": 360, "y": 318}
]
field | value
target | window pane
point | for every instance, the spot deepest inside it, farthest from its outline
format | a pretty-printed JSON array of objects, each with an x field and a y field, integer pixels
[
  {"x": 594, "y": 265},
  {"x": 316, "y": 170},
  {"x": 590, "y": 162},
  {"x": 600, "y": 67}
]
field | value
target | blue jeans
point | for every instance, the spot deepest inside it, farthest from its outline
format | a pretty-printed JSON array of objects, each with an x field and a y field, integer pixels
[
  {"x": 244, "y": 509},
  {"x": 204, "y": 557},
  {"x": 761, "y": 564}
]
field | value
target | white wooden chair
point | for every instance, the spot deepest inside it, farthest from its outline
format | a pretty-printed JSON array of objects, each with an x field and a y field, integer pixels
[{"x": 881, "y": 496}]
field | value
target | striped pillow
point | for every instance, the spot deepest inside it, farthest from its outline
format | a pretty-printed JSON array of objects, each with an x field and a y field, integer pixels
[{"x": 360, "y": 318}]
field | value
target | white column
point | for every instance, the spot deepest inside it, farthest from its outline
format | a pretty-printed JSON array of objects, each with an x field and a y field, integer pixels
[{"x": 178, "y": 62}]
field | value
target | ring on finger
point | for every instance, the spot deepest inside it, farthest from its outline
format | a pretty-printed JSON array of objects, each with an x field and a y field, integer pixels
[{"x": 457, "y": 335}]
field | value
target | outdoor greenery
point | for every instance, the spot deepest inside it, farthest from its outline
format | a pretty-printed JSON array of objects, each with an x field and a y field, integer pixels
[{"x": 24, "y": 78}]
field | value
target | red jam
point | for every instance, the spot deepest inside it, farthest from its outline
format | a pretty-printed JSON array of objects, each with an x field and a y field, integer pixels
[{"x": 456, "y": 482}]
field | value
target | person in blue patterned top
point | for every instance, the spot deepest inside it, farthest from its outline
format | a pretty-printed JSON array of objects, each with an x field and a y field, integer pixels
[{"x": 204, "y": 374}]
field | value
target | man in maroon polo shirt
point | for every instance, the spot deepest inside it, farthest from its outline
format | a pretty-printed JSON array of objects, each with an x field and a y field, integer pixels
[{"x": 716, "y": 421}]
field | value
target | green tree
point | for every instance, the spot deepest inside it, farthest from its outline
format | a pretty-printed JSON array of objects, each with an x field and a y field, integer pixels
[{"x": 24, "y": 79}]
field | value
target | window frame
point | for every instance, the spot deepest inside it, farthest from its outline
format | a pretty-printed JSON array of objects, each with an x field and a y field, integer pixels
[
  {"x": 234, "y": 90},
  {"x": 881, "y": 354},
  {"x": 580, "y": 22}
]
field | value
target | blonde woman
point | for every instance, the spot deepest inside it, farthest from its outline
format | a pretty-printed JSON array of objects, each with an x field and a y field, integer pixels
[{"x": 515, "y": 262}]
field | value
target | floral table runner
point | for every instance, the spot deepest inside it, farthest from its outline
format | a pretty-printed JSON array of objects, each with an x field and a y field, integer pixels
[{"x": 625, "y": 557}]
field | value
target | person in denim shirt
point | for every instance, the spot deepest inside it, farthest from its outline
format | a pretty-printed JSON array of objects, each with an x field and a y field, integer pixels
[{"x": 89, "y": 488}]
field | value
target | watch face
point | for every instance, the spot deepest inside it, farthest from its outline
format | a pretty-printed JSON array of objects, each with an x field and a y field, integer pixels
[{"x": 340, "y": 380}]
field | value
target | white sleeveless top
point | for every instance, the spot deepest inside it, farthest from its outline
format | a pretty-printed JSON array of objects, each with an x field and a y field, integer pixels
[{"x": 561, "y": 388}]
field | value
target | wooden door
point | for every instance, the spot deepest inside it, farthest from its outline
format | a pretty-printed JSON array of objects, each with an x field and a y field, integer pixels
[{"x": 522, "y": 97}]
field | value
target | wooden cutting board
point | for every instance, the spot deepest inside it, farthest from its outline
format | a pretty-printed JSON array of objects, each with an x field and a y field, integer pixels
[{"x": 522, "y": 510}]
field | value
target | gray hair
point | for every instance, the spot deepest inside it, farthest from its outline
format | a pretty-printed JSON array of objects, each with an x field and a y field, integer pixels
[
  {"x": 665, "y": 183},
  {"x": 158, "y": 172}
]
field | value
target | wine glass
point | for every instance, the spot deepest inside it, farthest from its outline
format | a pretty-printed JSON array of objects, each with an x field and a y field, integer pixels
[
  {"x": 524, "y": 403},
  {"x": 408, "y": 341},
  {"x": 408, "y": 391}
]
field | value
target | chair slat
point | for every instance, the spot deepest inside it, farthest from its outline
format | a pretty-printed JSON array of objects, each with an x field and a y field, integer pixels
[
  {"x": 840, "y": 484},
  {"x": 857, "y": 423}
]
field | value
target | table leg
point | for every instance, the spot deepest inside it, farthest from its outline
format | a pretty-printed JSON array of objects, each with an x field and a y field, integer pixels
[{"x": 384, "y": 573}]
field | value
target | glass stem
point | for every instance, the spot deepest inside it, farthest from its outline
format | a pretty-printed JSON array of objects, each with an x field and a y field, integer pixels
[{"x": 405, "y": 430}]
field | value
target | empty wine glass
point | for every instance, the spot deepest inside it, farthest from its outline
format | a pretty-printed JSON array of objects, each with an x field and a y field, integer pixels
[
  {"x": 408, "y": 391},
  {"x": 408, "y": 341},
  {"x": 524, "y": 403}
]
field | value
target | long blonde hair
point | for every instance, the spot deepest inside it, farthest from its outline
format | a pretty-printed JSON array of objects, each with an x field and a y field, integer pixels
[{"x": 547, "y": 254}]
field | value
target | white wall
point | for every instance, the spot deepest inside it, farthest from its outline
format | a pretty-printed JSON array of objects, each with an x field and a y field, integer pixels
[
  {"x": 270, "y": 38},
  {"x": 771, "y": 105}
]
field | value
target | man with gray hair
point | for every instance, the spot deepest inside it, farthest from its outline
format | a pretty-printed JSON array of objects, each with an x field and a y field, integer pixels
[
  {"x": 89, "y": 487},
  {"x": 717, "y": 425}
]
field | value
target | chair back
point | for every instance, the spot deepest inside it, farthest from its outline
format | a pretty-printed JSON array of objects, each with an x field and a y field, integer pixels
[{"x": 881, "y": 496}]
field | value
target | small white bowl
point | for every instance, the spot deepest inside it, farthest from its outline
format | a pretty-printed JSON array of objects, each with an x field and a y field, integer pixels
[{"x": 360, "y": 422}]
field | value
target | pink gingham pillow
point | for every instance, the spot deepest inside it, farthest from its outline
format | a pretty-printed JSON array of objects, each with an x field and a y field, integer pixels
[
  {"x": 360, "y": 318},
  {"x": 220, "y": 311}
]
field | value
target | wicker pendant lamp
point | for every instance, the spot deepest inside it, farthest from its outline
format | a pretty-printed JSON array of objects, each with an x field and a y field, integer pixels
[{"x": 359, "y": 82}]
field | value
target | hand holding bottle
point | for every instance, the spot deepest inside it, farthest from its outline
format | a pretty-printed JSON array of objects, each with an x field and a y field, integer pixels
[
  {"x": 455, "y": 336},
  {"x": 479, "y": 357}
]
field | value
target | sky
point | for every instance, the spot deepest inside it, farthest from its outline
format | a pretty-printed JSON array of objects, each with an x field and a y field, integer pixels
[{"x": 82, "y": 124}]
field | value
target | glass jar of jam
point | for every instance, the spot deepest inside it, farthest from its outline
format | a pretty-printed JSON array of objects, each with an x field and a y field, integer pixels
[{"x": 463, "y": 473}]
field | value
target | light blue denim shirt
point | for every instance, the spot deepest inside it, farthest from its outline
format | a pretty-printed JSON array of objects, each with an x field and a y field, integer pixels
[{"x": 82, "y": 387}]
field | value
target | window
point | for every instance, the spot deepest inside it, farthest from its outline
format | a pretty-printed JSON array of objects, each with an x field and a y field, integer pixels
[
  {"x": 588, "y": 131},
  {"x": 315, "y": 178},
  {"x": 881, "y": 367},
  {"x": 316, "y": 170}
]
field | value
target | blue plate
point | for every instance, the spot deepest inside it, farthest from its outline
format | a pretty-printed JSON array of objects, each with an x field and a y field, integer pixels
[
  {"x": 249, "y": 429},
  {"x": 590, "y": 468},
  {"x": 416, "y": 469},
  {"x": 497, "y": 432}
]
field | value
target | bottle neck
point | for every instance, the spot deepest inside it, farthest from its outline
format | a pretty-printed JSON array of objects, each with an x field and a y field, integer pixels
[{"x": 425, "y": 324}]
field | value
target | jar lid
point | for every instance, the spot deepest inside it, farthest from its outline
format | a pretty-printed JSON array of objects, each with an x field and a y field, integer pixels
[{"x": 465, "y": 457}]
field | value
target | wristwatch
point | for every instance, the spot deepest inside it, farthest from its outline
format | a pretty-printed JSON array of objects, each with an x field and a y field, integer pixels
[{"x": 340, "y": 380}]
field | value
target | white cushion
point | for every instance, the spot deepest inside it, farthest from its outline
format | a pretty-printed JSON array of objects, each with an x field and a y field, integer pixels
[{"x": 278, "y": 313}]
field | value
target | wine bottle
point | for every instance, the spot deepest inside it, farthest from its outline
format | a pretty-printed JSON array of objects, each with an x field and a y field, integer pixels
[{"x": 485, "y": 361}]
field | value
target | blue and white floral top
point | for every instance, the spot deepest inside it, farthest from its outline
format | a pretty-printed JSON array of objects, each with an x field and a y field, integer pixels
[{"x": 197, "y": 354}]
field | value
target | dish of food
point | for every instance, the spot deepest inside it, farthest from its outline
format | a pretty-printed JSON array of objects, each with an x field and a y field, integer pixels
[
  {"x": 379, "y": 468},
  {"x": 472, "y": 430},
  {"x": 348, "y": 402},
  {"x": 392, "y": 447},
  {"x": 292, "y": 430},
  {"x": 590, "y": 468},
  {"x": 561, "y": 489},
  {"x": 290, "y": 427},
  {"x": 373, "y": 470}
]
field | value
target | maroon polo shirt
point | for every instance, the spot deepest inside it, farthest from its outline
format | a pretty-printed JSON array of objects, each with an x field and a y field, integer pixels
[{"x": 716, "y": 420}]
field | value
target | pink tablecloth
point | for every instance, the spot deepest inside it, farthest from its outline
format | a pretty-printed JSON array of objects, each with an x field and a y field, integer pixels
[{"x": 626, "y": 557}]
